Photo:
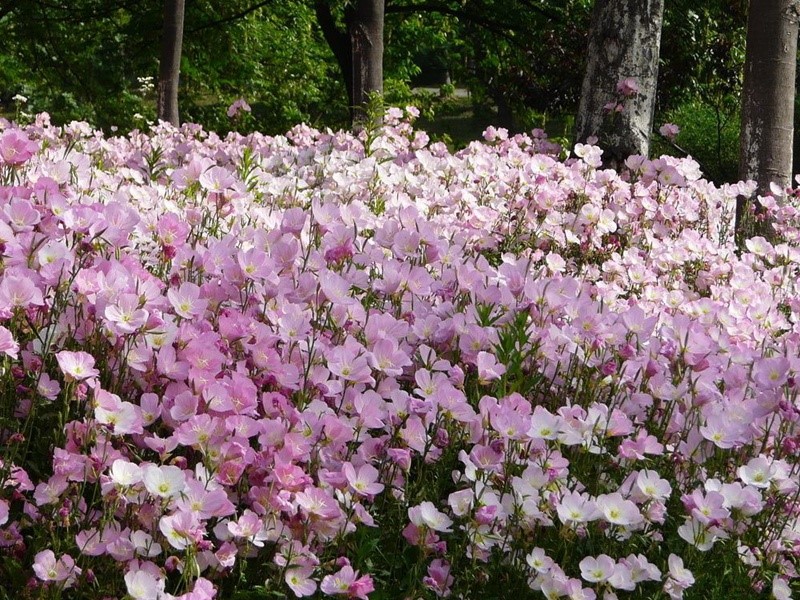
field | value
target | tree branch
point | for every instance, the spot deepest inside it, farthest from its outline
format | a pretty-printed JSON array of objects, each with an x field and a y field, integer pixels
[
  {"x": 505, "y": 30},
  {"x": 234, "y": 17},
  {"x": 339, "y": 43}
]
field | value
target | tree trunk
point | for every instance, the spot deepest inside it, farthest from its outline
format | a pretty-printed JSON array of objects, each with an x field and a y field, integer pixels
[
  {"x": 767, "y": 102},
  {"x": 365, "y": 26},
  {"x": 358, "y": 51},
  {"x": 170, "y": 63},
  {"x": 624, "y": 44}
]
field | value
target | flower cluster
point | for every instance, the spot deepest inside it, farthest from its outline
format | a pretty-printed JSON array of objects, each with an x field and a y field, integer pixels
[{"x": 326, "y": 364}]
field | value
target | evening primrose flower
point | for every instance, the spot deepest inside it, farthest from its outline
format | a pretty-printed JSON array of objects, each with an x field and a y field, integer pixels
[
  {"x": 143, "y": 585},
  {"x": 363, "y": 482},
  {"x": 427, "y": 515},
  {"x": 781, "y": 589},
  {"x": 679, "y": 579},
  {"x": 539, "y": 561},
  {"x": 163, "y": 481},
  {"x": 574, "y": 508},
  {"x": 49, "y": 568},
  {"x": 300, "y": 582},
  {"x": 76, "y": 365},
  {"x": 125, "y": 473},
  {"x": 652, "y": 486},
  {"x": 617, "y": 510},
  {"x": 597, "y": 570},
  {"x": 8, "y": 345},
  {"x": 186, "y": 300},
  {"x": 16, "y": 147},
  {"x": 758, "y": 472},
  {"x": 347, "y": 582}
]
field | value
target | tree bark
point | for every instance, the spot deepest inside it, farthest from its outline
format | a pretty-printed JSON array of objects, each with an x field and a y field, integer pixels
[
  {"x": 358, "y": 51},
  {"x": 365, "y": 27},
  {"x": 170, "y": 63},
  {"x": 624, "y": 42},
  {"x": 768, "y": 101}
]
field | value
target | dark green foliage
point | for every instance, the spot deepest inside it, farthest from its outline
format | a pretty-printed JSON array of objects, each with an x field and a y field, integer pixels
[{"x": 709, "y": 133}]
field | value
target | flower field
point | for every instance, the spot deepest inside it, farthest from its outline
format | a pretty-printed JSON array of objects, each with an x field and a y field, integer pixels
[{"x": 322, "y": 365}]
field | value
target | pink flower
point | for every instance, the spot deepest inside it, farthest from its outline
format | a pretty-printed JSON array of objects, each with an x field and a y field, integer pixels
[
  {"x": 123, "y": 417},
  {"x": 124, "y": 473},
  {"x": 48, "y": 568},
  {"x": 8, "y": 345},
  {"x": 577, "y": 508},
  {"x": 669, "y": 131},
  {"x": 216, "y": 180},
  {"x": 347, "y": 583},
  {"x": 239, "y": 106},
  {"x": 47, "y": 387},
  {"x": 387, "y": 357},
  {"x": 628, "y": 87},
  {"x": 16, "y": 148},
  {"x": 488, "y": 368},
  {"x": 181, "y": 529},
  {"x": 618, "y": 511},
  {"x": 125, "y": 315},
  {"x": 770, "y": 373},
  {"x": 652, "y": 486},
  {"x": 699, "y": 535},
  {"x": 255, "y": 264},
  {"x": 249, "y": 527},
  {"x": 22, "y": 215},
  {"x": 781, "y": 589},
  {"x": 539, "y": 561},
  {"x": 758, "y": 472},
  {"x": 186, "y": 301},
  {"x": 19, "y": 290},
  {"x": 205, "y": 502},
  {"x": 317, "y": 502},
  {"x": 439, "y": 579},
  {"x": 639, "y": 447},
  {"x": 350, "y": 363},
  {"x": 706, "y": 509},
  {"x": 299, "y": 581},
  {"x": 365, "y": 481},
  {"x": 76, "y": 365}
]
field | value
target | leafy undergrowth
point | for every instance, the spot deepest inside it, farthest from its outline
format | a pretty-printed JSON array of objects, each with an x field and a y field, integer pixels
[{"x": 326, "y": 365}]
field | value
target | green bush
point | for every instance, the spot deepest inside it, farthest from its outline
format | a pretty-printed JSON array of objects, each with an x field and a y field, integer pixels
[{"x": 709, "y": 134}]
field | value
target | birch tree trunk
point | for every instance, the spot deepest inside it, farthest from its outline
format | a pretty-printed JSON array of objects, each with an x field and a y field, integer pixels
[
  {"x": 169, "y": 67},
  {"x": 768, "y": 101},
  {"x": 624, "y": 45}
]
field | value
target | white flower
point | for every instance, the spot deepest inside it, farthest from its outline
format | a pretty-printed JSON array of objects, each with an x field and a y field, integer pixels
[
  {"x": 124, "y": 473},
  {"x": 142, "y": 585},
  {"x": 165, "y": 481},
  {"x": 781, "y": 589},
  {"x": 427, "y": 515},
  {"x": 758, "y": 472}
]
